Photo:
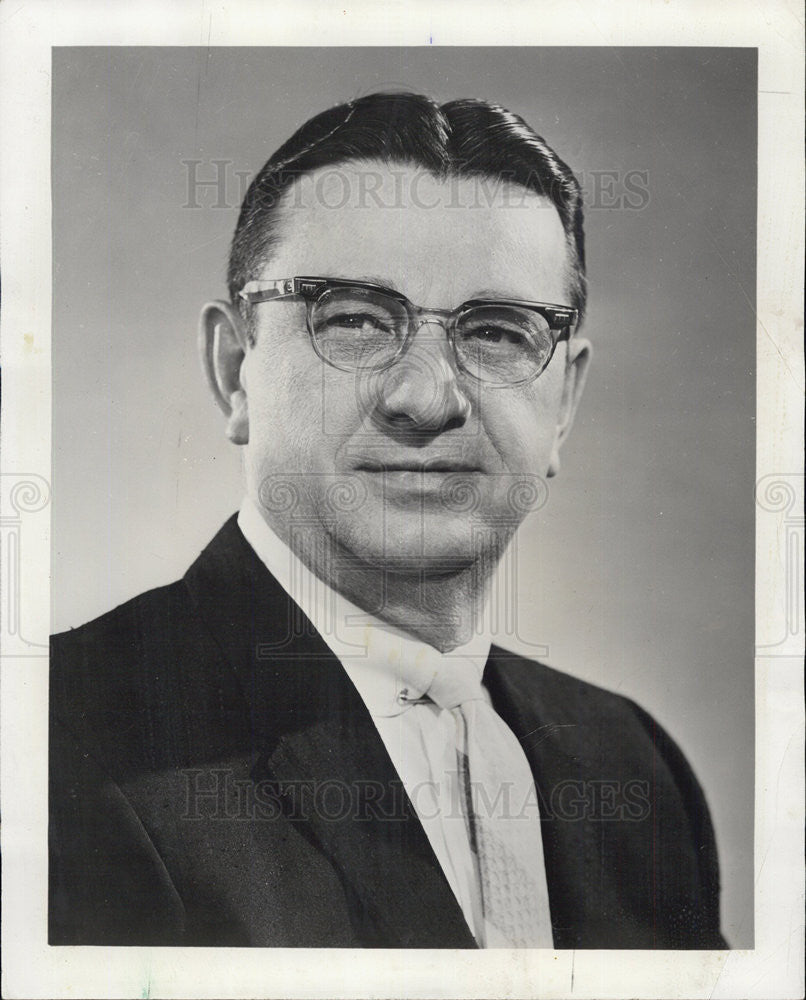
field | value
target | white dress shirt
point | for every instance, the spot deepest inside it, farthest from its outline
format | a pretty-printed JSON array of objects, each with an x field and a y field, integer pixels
[{"x": 419, "y": 738}]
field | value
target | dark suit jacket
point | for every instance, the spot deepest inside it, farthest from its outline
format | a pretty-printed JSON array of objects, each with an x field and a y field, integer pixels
[{"x": 215, "y": 779}]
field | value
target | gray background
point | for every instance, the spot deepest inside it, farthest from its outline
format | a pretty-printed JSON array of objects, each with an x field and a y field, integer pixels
[{"x": 639, "y": 573}]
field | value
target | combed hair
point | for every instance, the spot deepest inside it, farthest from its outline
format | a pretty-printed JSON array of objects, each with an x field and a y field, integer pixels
[{"x": 464, "y": 138}]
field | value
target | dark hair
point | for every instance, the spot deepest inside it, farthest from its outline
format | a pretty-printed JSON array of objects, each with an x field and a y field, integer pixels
[{"x": 465, "y": 138}]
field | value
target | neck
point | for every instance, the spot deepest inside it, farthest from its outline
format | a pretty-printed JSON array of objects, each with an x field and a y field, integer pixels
[{"x": 444, "y": 609}]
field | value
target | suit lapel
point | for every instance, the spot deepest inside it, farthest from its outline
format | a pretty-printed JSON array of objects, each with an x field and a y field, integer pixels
[
  {"x": 336, "y": 777},
  {"x": 560, "y": 745},
  {"x": 314, "y": 740}
]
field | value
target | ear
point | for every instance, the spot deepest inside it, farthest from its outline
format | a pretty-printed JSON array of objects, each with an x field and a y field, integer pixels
[
  {"x": 576, "y": 371},
  {"x": 222, "y": 347}
]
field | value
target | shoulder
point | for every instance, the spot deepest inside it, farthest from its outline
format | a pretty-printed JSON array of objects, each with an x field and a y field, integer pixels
[
  {"x": 117, "y": 657},
  {"x": 139, "y": 636},
  {"x": 128, "y": 622},
  {"x": 144, "y": 686},
  {"x": 596, "y": 756},
  {"x": 124, "y": 644},
  {"x": 594, "y": 724},
  {"x": 561, "y": 693}
]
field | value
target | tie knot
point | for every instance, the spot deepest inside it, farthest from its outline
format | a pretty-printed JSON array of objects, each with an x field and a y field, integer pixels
[
  {"x": 448, "y": 679},
  {"x": 455, "y": 683}
]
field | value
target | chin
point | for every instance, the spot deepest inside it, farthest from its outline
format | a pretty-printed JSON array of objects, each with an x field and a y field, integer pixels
[{"x": 410, "y": 544}]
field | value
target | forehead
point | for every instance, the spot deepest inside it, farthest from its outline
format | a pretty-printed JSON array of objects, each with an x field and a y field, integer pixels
[{"x": 438, "y": 241}]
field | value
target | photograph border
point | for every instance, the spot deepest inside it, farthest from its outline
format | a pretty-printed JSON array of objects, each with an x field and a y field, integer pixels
[{"x": 30, "y": 966}]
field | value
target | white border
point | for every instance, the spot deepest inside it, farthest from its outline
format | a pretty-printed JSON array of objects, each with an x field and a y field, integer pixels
[{"x": 27, "y": 32}]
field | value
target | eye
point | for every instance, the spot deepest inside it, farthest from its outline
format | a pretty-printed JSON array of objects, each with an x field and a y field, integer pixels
[
  {"x": 359, "y": 321},
  {"x": 490, "y": 333}
]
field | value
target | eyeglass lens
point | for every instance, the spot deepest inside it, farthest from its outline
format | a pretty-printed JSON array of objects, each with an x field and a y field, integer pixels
[{"x": 363, "y": 329}]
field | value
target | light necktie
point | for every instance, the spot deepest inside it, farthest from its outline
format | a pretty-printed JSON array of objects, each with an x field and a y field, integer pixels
[{"x": 498, "y": 796}]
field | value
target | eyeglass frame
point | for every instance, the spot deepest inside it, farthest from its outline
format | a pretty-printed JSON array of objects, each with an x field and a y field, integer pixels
[{"x": 561, "y": 319}]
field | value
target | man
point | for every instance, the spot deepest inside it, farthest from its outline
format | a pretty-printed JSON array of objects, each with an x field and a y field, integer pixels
[{"x": 309, "y": 740}]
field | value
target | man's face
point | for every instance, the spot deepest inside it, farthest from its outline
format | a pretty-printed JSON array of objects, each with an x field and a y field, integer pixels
[{"x": 415, "y": 466}]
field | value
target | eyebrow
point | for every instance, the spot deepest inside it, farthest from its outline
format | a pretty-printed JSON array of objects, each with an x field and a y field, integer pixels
[
  {"x": 483, "y": 293},
  {"x": 489, "y": 293},
  {"x": 374, "y": 279}
]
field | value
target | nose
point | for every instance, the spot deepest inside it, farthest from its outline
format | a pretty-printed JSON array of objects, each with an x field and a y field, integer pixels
[{"x": 421, "y": 392}]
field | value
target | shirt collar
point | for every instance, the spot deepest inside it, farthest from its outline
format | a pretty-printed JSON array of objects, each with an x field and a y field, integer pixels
[{"x": 388, "y": 666}]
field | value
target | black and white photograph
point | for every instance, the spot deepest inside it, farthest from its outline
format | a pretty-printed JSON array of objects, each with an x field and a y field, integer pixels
[
  {"x": 415, "y": 297},
  {"x": 403, "y": 497}
]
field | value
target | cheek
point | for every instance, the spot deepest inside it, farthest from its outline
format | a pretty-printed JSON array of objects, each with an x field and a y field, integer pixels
[
  {"x": 523, "y": 424},
  {"x": 280, "y": 410},
  {"x": 299, "y": 414}
]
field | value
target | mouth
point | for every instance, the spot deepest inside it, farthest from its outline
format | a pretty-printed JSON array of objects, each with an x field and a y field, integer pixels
[
  {"x": 406, "y": 481},
  {"x": 422, "y": 466}
]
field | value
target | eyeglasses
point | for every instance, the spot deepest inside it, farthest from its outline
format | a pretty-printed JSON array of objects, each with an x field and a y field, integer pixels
[{"x": 356, "y": 326}]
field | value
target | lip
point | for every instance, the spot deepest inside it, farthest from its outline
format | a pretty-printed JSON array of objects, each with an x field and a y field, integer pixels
[
  {"x": 432, "y": 466},
  {"x": 407, "y": 483}
]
